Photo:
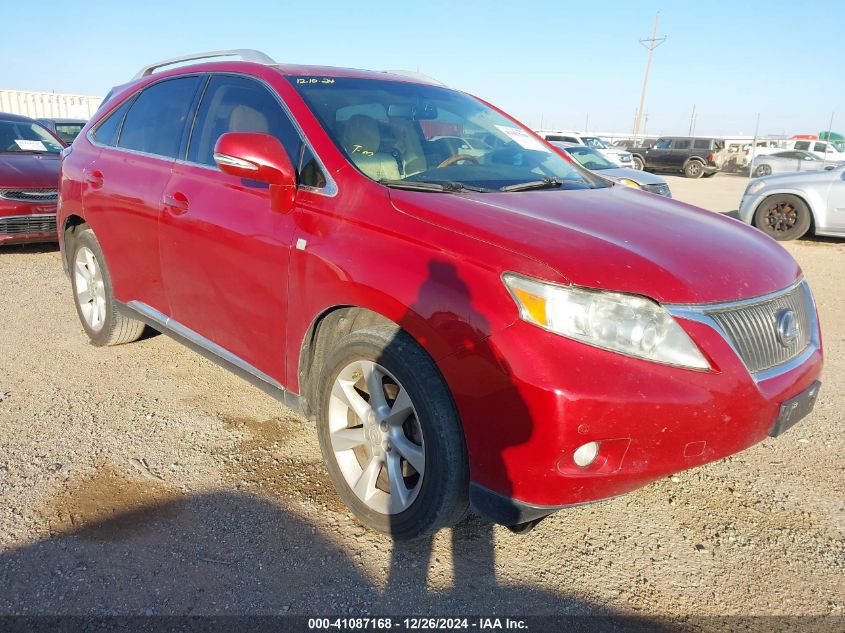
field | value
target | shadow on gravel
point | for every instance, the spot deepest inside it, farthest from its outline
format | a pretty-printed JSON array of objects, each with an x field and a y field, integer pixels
[
  {"x": 235, "y": 554},
  {"x": 40, "y": 247}
]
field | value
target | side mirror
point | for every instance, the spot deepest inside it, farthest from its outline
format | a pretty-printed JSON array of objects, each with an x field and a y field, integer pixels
[{"x": 258, "y": 157}]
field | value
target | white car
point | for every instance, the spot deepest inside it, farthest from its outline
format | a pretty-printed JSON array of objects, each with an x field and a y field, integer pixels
[
  {"x": 785, "y": 206},
  {"x": 618, "y": 155},
  {"x": 788, "y": 161}
]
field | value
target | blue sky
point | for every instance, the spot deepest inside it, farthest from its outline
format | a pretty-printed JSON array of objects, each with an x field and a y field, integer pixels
[{"x": 569, "y": 64}]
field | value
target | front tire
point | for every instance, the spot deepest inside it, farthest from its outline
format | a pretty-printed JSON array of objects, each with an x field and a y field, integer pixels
[
  {"x": 390, "y": 435},
  {"x": 638, "y": 163},
  {"x": 93, "y": 294},
  {"x": 763, "y": 170},
  {"x": 783, "y": 217},
  {"x": 693, "y": 169}
]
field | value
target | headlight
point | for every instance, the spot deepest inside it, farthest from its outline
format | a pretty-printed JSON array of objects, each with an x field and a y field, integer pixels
[
  {"x": 754, "y": 187},
  {"x": 623, "y": 323},
  {"x": 628, "y": 182}
]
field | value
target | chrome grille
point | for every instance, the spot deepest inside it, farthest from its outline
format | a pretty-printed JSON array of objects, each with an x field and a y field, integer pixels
[
  {"x": 660, "y": 189},
  {"x": 28, "y": 224},
  {"x": 752, "y": 328},
  {"x": 30, "y": 195}
]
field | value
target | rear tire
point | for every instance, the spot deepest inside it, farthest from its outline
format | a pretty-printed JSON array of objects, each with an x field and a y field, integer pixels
[
  {"x": 762, "y": 170},
  {"x": 638, "y": 163},
  {"x": 93, "y": 294},
  {"x": 783, "y": 217},
  {"x": 693, "y": 169},
  {"x": 390, "y": 435}
]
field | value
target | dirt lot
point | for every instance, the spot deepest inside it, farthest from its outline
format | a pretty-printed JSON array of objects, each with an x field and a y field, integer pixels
[{"x": 144, "y": 479}]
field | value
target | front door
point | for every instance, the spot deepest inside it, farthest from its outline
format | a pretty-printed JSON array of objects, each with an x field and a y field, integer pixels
[{"x": 224, "y": 252}]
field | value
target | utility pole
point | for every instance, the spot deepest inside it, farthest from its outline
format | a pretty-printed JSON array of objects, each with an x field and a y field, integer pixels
[
  {"x": 753, "y": 148},
  {"x": 650, "y": 43},
  {"x": 692, "y": 122}
]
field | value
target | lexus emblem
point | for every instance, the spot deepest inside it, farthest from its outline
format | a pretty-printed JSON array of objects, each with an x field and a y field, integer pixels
[{"x": 787, "y": 327}]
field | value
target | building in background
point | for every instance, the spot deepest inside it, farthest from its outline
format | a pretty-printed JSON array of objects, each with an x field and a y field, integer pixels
[{"x": 48, "y": 105}]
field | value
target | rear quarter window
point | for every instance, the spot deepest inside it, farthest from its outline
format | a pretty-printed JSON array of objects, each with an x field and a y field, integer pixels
[
  {"x": 107, "y": 132},
  {"x": 804, "y": 145},
  {"x": 701, "y": 144},
  {"x": 156, "y": 118}
]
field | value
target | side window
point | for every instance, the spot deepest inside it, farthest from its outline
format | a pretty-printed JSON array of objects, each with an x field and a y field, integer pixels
[
  {"x": 680, "y": 144},
  {"x": 155, "y": 122},
  {"x": 820, "y": 147},
  {"x": 804, "y": 145},
  {"x": 664, "y": 143},
  {"x": 237, "y": 104},
  {"x": 701, "y": 143},
  {"x": 107, "y": 131}
]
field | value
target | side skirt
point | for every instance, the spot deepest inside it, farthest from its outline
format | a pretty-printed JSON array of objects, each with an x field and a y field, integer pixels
[{"x": 213, "y": 352}]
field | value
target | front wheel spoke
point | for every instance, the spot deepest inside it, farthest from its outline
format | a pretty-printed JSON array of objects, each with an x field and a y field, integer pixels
[
  {"x": 91, "y": 263},
  {"x": 410, "y": 451},
  {"x": 376, "y": 388},
  {"x": 365, "y": 487},
  {"x": 399, "y": 492},
  {"x": 345, "y": 391},
  {"x": 401, "y": 409},
  {"x": 347, "y": 439},
  {"x": 85, "y": 296}
]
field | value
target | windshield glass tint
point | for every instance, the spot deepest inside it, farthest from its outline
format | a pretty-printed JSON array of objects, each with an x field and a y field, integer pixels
[
  {"x": 24, "y": 136},
  {"x": 419, "y": 133},
  {"x": 590, "y": 158}
]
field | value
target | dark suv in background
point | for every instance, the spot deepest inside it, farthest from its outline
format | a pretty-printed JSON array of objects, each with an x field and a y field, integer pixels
[{"x": 695, "y": 157}]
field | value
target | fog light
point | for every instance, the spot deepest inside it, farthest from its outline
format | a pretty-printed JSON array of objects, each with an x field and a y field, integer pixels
[{"x": 586, "y": 454}]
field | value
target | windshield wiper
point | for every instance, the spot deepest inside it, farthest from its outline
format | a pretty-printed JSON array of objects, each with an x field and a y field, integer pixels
[
  {"x": 546, "y": 183},
  {"x": 419, "y": 185}
]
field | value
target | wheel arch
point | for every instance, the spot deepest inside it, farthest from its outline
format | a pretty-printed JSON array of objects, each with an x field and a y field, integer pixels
[
  {"x": 69, "y": 225},
  {"x": 329, "y": 327}
]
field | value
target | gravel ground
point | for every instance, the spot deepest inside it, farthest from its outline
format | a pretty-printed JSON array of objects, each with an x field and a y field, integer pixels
[{"x": 143, "y": 479}]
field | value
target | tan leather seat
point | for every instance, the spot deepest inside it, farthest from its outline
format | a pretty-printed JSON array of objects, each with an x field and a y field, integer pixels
[{"x": 362, "y": 140}]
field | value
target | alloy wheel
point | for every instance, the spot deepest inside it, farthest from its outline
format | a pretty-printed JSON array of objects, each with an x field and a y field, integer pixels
[
  {"x": 90, "y": 288},
  {"x": 376, "y": 437}
]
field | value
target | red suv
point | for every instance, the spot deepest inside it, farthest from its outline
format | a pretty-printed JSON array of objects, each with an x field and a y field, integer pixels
[
  {"x": 493, "y": 325},
  {"x": 29, "y": 176}
]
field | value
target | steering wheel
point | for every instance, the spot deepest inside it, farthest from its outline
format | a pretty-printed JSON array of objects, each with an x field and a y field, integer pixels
[{"x": 457, "y": 158}]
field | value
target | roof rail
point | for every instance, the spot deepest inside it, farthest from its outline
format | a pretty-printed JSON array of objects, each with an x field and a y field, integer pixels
[
  {"x": 413, "y": 74},
  {"x": 246, "y": 54}
]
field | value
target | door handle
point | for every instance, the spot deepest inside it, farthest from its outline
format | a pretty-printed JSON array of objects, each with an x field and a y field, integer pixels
[
  {"x": 176, "y": 203},
  {"x": 93, "y": 177}
]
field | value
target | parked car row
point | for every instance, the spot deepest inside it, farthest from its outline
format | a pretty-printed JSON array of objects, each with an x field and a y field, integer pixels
[
  {"x": 441, "y": 289},
  {"x": 617, "y": 155}
]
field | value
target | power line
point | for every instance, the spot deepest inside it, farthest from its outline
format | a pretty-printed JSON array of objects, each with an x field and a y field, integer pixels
[{"x": 650, "y": 43}]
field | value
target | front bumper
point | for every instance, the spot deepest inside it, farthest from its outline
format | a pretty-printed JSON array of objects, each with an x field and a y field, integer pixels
[
  {"x": 22, "y": 223},
  {"x": 528, "y": 398}
]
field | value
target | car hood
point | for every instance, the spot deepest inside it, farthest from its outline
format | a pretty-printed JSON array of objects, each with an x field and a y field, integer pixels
[
  {"x": 618, "y": 238},
  {"x": 28, "y": 170},
  {"x": 637, "y": 175}
]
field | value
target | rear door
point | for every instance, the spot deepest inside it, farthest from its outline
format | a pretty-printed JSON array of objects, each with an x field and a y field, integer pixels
[
  {"x": 836, "y": 203},
  {"x": 224, "y": 252},
  {"x": 124, "y": 185}
]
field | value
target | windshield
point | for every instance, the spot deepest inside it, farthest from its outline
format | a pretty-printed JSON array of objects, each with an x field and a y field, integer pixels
[
  {"x": 402, "y": 133},
  {"x": 69, "y": 131},
  {"x": 590, "y": 158},
  {"x": 27, "y": 136}
]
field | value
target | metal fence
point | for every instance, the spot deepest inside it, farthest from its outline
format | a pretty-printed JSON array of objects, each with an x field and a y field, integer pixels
[{"x": 48, "y": 104}]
